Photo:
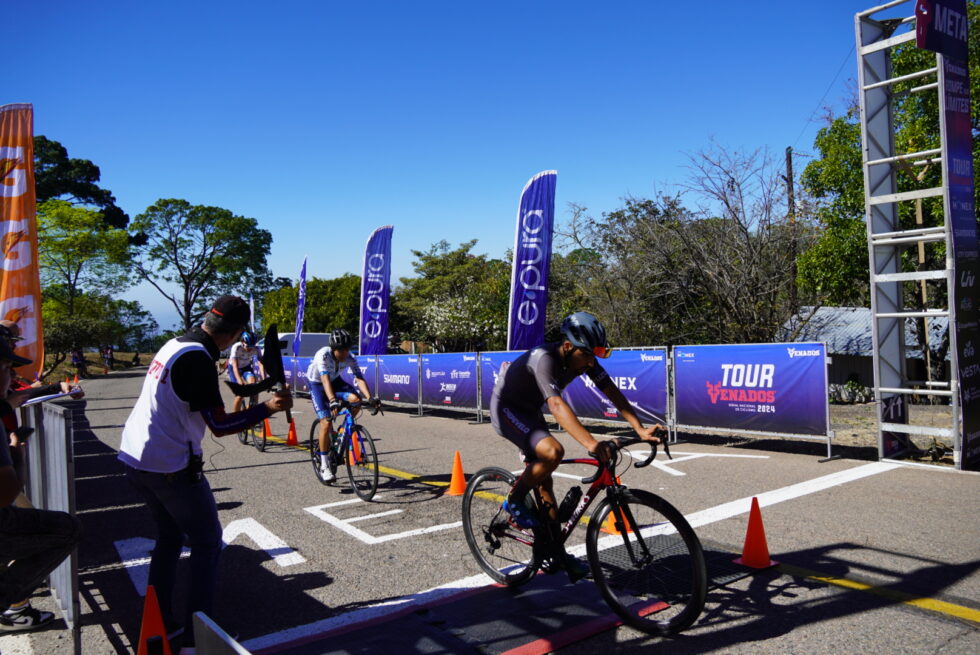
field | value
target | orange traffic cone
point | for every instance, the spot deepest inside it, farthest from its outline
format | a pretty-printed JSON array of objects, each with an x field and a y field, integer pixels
[
  {"x": 152, "y": 624},
  {"x": 755, "y": 552},
  {"x": 291, "y": 439},
  {"x": 76, "y": 380},
  {"x": 609, "y": 525},
  {"x": 457, "y": 484},
  {"x": 267, "y": 428}
]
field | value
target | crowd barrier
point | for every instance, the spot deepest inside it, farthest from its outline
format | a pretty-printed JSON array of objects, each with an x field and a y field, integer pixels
[
  {"x": 50, "y": 485},
  {"x": 759, "y": 389}
]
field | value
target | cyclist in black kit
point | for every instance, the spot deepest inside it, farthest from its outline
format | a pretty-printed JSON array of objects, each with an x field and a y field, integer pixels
[{"x": 538, "y": 377}]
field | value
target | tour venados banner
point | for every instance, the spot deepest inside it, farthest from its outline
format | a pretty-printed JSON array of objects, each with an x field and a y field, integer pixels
[
  {"x": 532, "y": 258},
  {"x": 20, "y": 285},
  {"x": 375, "y": 292}
]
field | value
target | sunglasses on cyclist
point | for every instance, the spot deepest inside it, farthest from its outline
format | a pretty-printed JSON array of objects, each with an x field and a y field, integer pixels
[{"x": 601, "y": 352}]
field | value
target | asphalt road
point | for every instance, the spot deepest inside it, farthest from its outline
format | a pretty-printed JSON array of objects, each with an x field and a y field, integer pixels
[{"x": 873, "y": 557}]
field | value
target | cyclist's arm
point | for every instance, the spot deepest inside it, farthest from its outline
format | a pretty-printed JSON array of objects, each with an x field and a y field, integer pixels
[
  {"x": 569, "y": 422},
  {"x": 261, "y": 370},
  {"x": 623, "y": 405},
  {"x": 327, "y": 387},
  {"x": 362, "y": 385},
  {"x": 235, "y": 371}
]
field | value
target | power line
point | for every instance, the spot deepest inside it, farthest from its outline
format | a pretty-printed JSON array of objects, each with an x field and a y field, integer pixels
[{"x": 829, "y": 87}]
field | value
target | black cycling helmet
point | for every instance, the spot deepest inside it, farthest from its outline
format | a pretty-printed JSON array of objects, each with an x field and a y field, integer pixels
[
  {"x": 248, "y": 338},
  {"x": 340, "y": 340},
  {"x": 585, "y": 331}
]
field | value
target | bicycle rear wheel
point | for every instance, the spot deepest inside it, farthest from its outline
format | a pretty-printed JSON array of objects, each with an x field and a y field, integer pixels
[
  {"x": 315, "y": 451},
  {"x": 362, "y": 463},
  {"x": 647, "y": 561},
  {"x": 259, "y": 436},
  {"x": 243, "y": 436},
  {"x": 503, "y": 550}
]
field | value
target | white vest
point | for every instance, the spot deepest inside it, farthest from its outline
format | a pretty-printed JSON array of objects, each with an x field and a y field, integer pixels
[{"x": 161, "y": 425}]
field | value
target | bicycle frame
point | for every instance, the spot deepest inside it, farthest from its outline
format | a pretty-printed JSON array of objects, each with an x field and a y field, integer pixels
[
  {"x": 345, "y": 444},
  {"x": 605, "y": 480}
]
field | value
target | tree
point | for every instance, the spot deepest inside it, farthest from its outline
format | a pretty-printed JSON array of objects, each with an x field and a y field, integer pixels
[
  {"x": 58, "y": 176},
  {"x": 459, "y": 300},
  {"x": 77, "y": 252},
  {"x": 204, "y": 251},
  {"x": 330, "y": 305}
]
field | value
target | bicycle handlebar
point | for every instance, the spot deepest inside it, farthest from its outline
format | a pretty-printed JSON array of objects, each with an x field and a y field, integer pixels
[
  {"x": 619, "y": 443},
  {"x": 374, "y": 403}
]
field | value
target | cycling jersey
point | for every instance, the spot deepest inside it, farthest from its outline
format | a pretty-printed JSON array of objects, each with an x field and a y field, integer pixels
[
  {"x": 324, "y": 364},
  {"x": 243, "y": 355}
]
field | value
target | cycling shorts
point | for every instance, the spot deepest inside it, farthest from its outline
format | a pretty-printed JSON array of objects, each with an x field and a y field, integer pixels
[
  {"x": 523, "y": 429},
  {"x": 319, "y": 396}
]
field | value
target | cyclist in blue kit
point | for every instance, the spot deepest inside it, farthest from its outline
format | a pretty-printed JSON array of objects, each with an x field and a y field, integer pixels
[
  {"x": 538, "y": 377},
  {"x": 327, "y": 389}
]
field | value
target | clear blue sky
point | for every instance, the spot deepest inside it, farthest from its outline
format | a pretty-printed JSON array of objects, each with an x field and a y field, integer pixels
[{"x": 324, "y": 120}]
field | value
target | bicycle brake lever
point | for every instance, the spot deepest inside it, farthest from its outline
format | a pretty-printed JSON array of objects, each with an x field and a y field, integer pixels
[{"x": 646, "y": 462}]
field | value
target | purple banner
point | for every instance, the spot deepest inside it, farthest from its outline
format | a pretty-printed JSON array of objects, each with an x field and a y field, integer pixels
[
  {"x": 490, "y": 364},
  {"x": 532, "y": 259},
  {"x": 375, "y": 292},
  {"x": 449, "y": 379},
  {"x": 295, "y": 370},
  {"x": 962, "y": 221},
  {"x": 642, "y": 377},
  {"x": 300, "y": 309},
  {"x": 940, "y": 26},
  {"x": 777, "y": 387},
  {"x": 398, "y": 378}
]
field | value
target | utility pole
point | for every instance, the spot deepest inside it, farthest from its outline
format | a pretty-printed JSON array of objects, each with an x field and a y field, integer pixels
[{"x": 791, "y": 201}]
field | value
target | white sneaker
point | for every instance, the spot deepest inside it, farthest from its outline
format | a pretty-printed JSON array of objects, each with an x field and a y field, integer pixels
[{"x": 326, "y": 474}]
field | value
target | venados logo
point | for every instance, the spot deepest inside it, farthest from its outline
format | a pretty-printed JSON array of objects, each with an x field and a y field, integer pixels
[
  {"x": 529, "y": 275},
  {"x": 795, "y": 352},
  {"x": 374, "y": 302},
  {"x": 651, "y": 358}
]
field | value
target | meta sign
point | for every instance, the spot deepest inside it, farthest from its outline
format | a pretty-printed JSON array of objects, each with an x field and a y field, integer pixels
[
  {"x": 398, "y": 378},
  {"x": 779, "y": 388},
  {"x": 449, "y": 379},
  {"x": 642, "y": 377}
]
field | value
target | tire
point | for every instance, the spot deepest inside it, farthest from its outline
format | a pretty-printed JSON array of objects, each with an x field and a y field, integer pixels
[
  {"x": 315, "y": 452},
  {"x": 243, "y": 437},
  {"x": 653, "y": 575},
  {"x": 503, "y": 550},
  {"x": 258, "y": 437},
  {"x": 362, "y": 463}
]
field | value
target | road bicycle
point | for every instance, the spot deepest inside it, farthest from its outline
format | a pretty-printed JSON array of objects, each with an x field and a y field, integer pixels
[
  {"x": 255, "y": 433},
  {"x": 353, "y": 445},
  {"x": 643, "y": 554}
]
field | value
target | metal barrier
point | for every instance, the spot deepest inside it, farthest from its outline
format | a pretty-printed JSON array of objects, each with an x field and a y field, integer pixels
[{"x": 50, "y": 485}]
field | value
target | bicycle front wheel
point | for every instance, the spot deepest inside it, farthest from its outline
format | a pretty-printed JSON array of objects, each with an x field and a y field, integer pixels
[
  {"x": 243, "y": 437},
  {"x": 503, "y": 550},
  {"x": 258, "y": 436},
  {"x": 647, "y": 561},
  {"x": 362, "y": 463}
]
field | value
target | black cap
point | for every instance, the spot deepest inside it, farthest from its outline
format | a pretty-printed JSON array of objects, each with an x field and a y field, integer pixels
[
  {"x": 7, "y": 354},
  {"x": 233, "y": 309}
]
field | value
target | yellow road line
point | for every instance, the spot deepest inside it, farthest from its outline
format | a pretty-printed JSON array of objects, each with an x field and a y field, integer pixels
[{"x": 930, "y": 604}]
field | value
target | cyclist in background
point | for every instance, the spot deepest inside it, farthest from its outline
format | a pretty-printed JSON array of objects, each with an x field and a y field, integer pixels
[
  {"x": 244, "y": 366},
  {"x": 538, "y": 377},
  {"x": 327, "y": 389}
]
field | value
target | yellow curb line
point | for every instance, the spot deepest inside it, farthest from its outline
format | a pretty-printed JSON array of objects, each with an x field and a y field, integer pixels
[{"x": 930, "y": 604}]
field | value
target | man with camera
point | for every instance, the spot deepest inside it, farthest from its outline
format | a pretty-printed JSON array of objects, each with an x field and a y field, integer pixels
[{"x": 161, "y": 448}]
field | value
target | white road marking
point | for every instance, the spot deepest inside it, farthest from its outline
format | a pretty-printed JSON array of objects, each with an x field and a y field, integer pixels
[
  {"x": 704, "y": 517},
  {"x": 344, "y": 525}
]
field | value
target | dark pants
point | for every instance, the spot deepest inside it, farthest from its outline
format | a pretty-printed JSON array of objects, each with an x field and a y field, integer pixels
[
  {"x": 181, "y": 509},
  {"x": 37, "y": 541}
]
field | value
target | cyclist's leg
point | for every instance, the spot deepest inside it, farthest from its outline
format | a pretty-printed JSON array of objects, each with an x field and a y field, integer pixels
[
  {"x": 545, "y": 456},
  {"x": 322, "y": 409}
]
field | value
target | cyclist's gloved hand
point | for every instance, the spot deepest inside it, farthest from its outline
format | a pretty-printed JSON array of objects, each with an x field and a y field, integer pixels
[
  {"x": 334, "y": 406},
  {"x": 375, "y": 401},
  {"x": 605, "y": 450}
]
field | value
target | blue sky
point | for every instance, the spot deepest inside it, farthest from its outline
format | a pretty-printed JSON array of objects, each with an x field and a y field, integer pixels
[{"x": 324, "y": 120}]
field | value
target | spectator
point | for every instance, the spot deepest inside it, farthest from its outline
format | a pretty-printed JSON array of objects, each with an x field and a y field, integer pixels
[
  {"x": 161, "y": 449},
  {"x": 136, "y": 358},
  {"x": 33, "y": 541},
  {"x": 78, "y": 361}
]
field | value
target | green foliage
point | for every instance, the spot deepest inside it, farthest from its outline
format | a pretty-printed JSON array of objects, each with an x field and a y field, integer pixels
[
  {"x": 77, "y": 252},
  {"x": 96, "y": 319},
  {"x": 458, "y": 300},
  {"x": 58, "y": 176},
  {"x": 330, "y": 304},
  {"x": 203, "y": 251}
]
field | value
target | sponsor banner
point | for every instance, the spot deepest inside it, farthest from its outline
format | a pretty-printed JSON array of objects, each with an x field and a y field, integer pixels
[
  {"x": 398, "y": 378},
  {"x": 532, "y": 258},
  {"x": 775, "y": 387},
  {"x": 296, "y": 368},
  {"x": 375, "y": 291},
  {"x": 941, "y": 26},
  {"x": 449, "y": 380},
  {"x": 368, "y": 365},
  {"x": 642, "y": 377},
  {"x": 20, "y": 283},
  {"x": 490, "y": 364}
]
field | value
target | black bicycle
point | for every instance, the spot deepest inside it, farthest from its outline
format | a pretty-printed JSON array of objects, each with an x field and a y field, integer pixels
[
  {"x": 353, "y": 445},
  {"x": 644, "y": 556},
  {"x": 255, "y": 433}
]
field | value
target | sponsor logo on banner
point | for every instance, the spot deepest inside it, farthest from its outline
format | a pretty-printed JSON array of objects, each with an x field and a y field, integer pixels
[
  {"x": 967, "y": 278},
  {"x": 460, "y": 375},
  {"x": 446, "y": 387},
  {"x": 651, "y": 358},
  {"x": 398, "y": 396},
  {"x": 532, "y": 257},
  {"x": 796, "y": 352},
  {"x": 469, "y": 358},
  {"x": 395, "y": 378},
  {"x": 623, "y": 383},
  {"x": 751, "y": 383}
]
